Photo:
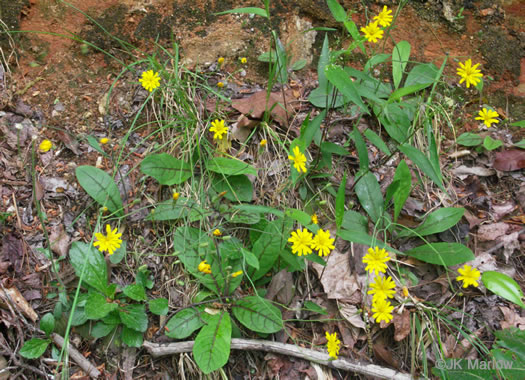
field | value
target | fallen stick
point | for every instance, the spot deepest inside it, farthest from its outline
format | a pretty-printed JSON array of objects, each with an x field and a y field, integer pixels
[
  {"x": 158, "y": 350},
  {"x": 77, "y": 357}
]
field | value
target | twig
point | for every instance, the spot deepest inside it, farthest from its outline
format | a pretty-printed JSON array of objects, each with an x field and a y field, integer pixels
[
  {"x": 77, "y": 357},
  {"x": 375, "y": 371}
]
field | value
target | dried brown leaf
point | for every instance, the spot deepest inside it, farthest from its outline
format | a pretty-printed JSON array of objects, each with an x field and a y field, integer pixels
[
  {"x": 490, "y": 232},
  {"x": 69, "y": 141},
  {"x": 401, "y": 325},
  {"x": 509, "y": 160},
  {"x": 256, "y": 105},
  {"x": 59, "y": 240},
  {"x": 512, "y": 319}
]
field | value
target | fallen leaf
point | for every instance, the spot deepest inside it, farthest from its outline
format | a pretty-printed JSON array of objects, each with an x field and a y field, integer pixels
[
  {"x": 59, "y": 240},
  {"x": 69, "y": 141},
  {"x": 512, "y": 319},
  {"x": 509, "y": 160},
  {"x": 281, "y": 288},
  {"x": 382, "y": 353},
  {"x": 510, "y": 244},
  {"x": 401, "y": 325},
  {"x": 256, "y": 105},
  {"x": 476, "y": 170},
  {"x": 351, "y": 314},
  {"x": 490, "y": 232},
  {"x": 500, "y": 210}
]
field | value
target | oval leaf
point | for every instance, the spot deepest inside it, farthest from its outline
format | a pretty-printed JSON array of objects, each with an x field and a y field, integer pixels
[
  {"x": 166, "y": 169},
  {"x": 228, "y": 166},
  {"x": 134, "y": 317},
  {"x": 131, "y": 337},
  {"x": 184, "y": 323},
  {"x": 447, "y": 254},
  {"x": 96, "y": 273},
  {"x": 258, "y": 314},
  {"x": 34, "y": 348},
  {"x": 97, "y": 307},
  {"x": 212, "y": 345},
  {"x": 159, "y": 306},
  {"x": 136, "y": 292},
  {"x": 504, "y": 286},
  {"x": 368, "y": 191},
  {"x": 469, "y": 139},
  {"x": 250, "y": 10},
  {"x": 437, "y": 221},
  {"x": 100, "y": 186},
  {"x": 47, "y": 323}
]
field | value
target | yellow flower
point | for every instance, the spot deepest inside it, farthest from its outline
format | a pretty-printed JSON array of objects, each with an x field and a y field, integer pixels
[
  {"x": 382, "y": 288},
  {"x": 218, "y": 128},
  {"x": 220, "y": 61},
  {"x": 376, "y": 260},
  {"x": 109, "y": 242},
  {"x": 204, "y": 268},
  {"x": 323, "y": 243},
  {"x": 244, "y": 60},
  {"x": 315, "y": 220},
  {"x": 488, "y": 117},
  {"x": 263, "y": 142},
  {"x": 301, "y": 242},
  {"x": 45, "y": 146},
  {"x": 299, "y": 160},
  {"x": 150, "y": 80},
  {"x": 469, "y": 276},
  {"x": 405, "y": 292},
  {"x": 332, "y": 344},
  {"x": 235, "y": 274},
  {"x": 220, "y": 84},
  {"x": 176, "y": 196},
  {"x": 468, "y": 73},
  {"x": 384, "y": 18},
  {"x": 104, "y": 209},
  {"x": 217, "y": 232},
  {"x": 382, "y": 310},
  {"x": 372, "y": 32}
]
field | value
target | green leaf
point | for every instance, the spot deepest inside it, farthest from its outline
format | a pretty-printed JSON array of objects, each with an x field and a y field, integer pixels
[
  {"x": 330, "y": 147},
  {"x": 423, "y": 73},
  {"x": 166, "y": 169},
  {"x": 212, "y": 344},
  {"x": 512, "y": 339},
  {"x": 238, "y": 188},
  {"x": 34, "y": 348},
  {"x": 136, "y": 292},
  {"x": 95, "y": 145},
  {"x": 520, "y": 144},
  {"x": 400, "y": 56},
  {"x": 282, "y": 60},
  {"x": 377, "y": 141},
  {"x": 134, "y": 317},
  {"x": 337, "y": 10},
  {"x": 119, "y": 253},
  {"x": 79, "y": 317},
  {"x": 422, "y": 163},
  {"x": 340, "y": 203},
  {"x": 352, "y": 29},
  {"x": 375, "y": 60},
  {"x": 312, "y": 306},
  {"x": 520, "y": 124},
  {"x": 340, "y": 79},
  {"x": 504, "y": 286},
  {"x": 159, "y": 306},
  {"x": 131, "y": 337},
  {"x": 95, "y": 273},
  {"x": 469, "y": 139},
  {"x": 407, "y": 90},
  {"x": 299, "y": 64},
  {"x": 360, "y": 237},
  {"x": 362, "y": 150},
  {"x": 250, "y": 10},
  {"x": 268, "y": 247},
  {"x": 258, "y": 314},
  {"x": 229, "y": 166},
  {"x": 100, "y": 186},
  {"x": 97, "y": 307},
  {"x": 447, "y": 254},
  {"x": 368, "y": 191},
  {"x": 437, "y": 221},
  {"x": 250, "y": 258},
  {"x": 236, "y": 215},
  {"x": 47, "y": 323},
  {"x": 184, "y": 208},
  {"x": 395, "y": 120},
  {"x": 490, "y": 144},
  {"x": 354, "y": 221},
  {"x": 404, "y": 179},
  {"x": 312, "y": 128},
  {"x": 101, "y": 330},
  {"x": 184, "y": 323}
]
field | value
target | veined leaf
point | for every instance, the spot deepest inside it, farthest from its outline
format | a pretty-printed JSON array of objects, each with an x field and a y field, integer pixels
[
  {"x": 229, "y": 166},
  {"x": 95, "y": 273},
  {"x": 134, "y": 317},
  {"x": 34, "y": 348},
  {"x": 166, "y": 169},
  {"x": 337, "y": 10},
  {"x": 368, "y": 191},
  {"x": 504, "y": 286},
  {"x": 447, "y": 254},
  {"x": 340, "y": 79},
  {"x": 100, "y": 186},
  {"x": 211, "y": 349},
  {"x": 184, "y": 323},
  {"x": 437, "y": 221},
  {"x": 258, "y": 314},
  {"x": 422, "y": 163}
]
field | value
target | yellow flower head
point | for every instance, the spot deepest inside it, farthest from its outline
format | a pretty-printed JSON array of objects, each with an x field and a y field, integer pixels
[
  {"x": 218, "y": 128},
  {"x": 109, "y": 242},
  {"x": 238, "y": 273},
  {"x": 376, "y": 260},
  {"x": 332, "y": 344},
  {"x": 217, "y": 232},
  {"x": 220, "y": 61},
  {"x": 469, "y": 276},
  {"x": 384, "y": 18},
  {"x": 176, "y": 196},
  {"x": 299, "y": 160},
  {"x": 301, "y": 242},
  {"x": 315, "y": 220},
  {"x": 45, "y": 146},
  {"x": 204, "y": 267},
  {"x": 104, "y": 140},
  {"x": 382, "y": 288},
  {"x": 220, "y": 84},
  {"x": 468, "y": 73},
  {"x": 372, "y": 32},
  {"x": 323, "y": 243},
  {"x": 488, "y": 117},
  {"x": 150, "y": 80},
  {"x": 263, "y": 142},
  {"x": 382, "y": 310},
  {"x": 244, "y": 60}
]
